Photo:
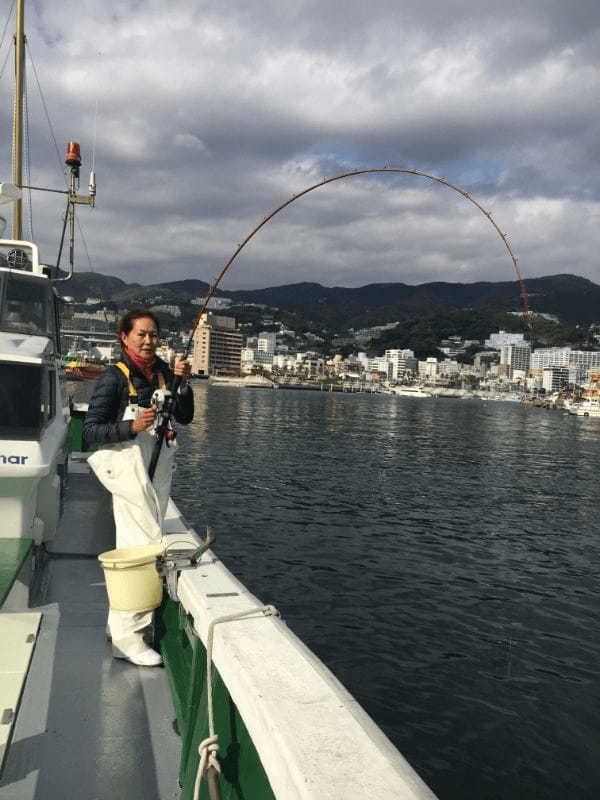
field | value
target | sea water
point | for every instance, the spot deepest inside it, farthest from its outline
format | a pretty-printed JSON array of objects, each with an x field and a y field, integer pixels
[{"x": 440, "y": 556}]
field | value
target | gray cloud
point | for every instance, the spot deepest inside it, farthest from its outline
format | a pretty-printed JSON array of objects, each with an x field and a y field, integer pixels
[{"x": 210, "y": 116}]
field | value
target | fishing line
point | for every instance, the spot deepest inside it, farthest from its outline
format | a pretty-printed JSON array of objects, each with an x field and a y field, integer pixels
[{"x": 169, "y": 404}]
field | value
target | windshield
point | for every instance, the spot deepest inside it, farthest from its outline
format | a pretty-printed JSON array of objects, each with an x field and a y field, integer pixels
[{"x": 26, "y": 305}]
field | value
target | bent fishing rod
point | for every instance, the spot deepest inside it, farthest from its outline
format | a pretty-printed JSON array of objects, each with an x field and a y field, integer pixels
[{"x": 166, "y": 412}]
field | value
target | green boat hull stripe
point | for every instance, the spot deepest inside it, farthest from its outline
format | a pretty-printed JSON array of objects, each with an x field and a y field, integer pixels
[
  {"x": 242, "y": 774},
  {"x": 13, "y": 553}
]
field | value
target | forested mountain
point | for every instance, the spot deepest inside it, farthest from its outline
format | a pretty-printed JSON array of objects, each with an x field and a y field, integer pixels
[{"x": 573, "y": 299}]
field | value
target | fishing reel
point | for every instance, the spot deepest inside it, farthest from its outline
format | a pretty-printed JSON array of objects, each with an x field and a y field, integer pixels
[
  {"x": 159, "y": 398},
  {"x": 162, "y": 402}
]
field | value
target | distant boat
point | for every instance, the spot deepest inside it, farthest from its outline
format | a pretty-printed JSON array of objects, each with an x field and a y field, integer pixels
[
  {"x": 249, "y": 381},
  {"x": 410, "y": 391},
  {"x": 586, "y": 407},
  {"x": 82, "y": 369}
]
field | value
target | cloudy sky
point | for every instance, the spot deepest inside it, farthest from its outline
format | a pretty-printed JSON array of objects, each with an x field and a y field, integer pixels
[{"x": 208, "y": 115}]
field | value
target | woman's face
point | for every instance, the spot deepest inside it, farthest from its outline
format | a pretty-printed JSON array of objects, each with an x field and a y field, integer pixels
[{"x": 142, "y": 339}]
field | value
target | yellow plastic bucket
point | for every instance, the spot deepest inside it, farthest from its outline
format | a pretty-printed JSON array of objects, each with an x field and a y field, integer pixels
[{"x": 132, "y": 581}]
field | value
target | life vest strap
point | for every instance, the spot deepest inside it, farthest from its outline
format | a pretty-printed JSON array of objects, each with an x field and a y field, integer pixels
[{"x": 162, "y": 384}]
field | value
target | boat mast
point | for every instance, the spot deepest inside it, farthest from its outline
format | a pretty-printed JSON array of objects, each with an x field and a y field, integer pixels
[{"x": 17, "y": 154}]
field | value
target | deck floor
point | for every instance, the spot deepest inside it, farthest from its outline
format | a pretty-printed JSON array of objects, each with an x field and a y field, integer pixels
[{"x": 90, "y": 727}]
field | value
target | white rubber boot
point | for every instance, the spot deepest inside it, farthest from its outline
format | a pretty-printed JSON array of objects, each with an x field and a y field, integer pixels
[{"x": 147, "y": 658}]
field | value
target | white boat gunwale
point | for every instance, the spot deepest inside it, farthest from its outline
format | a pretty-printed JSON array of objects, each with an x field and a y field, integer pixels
[{"x": 313, "y": 738}]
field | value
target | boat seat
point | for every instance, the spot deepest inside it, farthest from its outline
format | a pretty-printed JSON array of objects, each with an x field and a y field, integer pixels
[
  {"x": 18, "y": 635},
  {"x": 13, "y": 554}
]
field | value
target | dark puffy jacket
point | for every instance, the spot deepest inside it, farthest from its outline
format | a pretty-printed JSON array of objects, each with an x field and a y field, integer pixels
[{"x": 103, "y": 423}]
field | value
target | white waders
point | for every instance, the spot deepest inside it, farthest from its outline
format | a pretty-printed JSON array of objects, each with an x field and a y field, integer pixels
[{"x": 139, "y": 508}]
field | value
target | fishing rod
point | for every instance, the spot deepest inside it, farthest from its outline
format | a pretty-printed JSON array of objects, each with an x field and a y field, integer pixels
[{"x": 166, "y": 411}]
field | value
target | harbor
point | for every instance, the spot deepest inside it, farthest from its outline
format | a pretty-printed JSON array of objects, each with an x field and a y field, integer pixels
[{"x": 284, "y": 513}]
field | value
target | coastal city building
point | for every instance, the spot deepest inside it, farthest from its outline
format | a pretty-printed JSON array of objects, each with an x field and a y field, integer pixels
[
  {"x": 555, "y": 378},
  {"x": 284, "y": 363},
  {"x": 265, "y": 342},
  {"x": 253, "y": 360},
  {"x": 497, "y": 340},
  {"x": 285, "y": 332},
  {"x": 166, "y": 308},
  {"x": 453, "y": 346},
  {"x": 381, "y": 366},
  {"x": 428, "y": 369},
  {"x": 448, "y": 368},
  {"x": 510, "y": 366},
  {"x": 580, "y": 362},
  {"x": 217, "y": 347},
  {"x": 550, "y": 357},
  {"x": 516, "y": 357},
  {"x": 364, "y": 334},
  {"x": 214, "y": 304},
  {"x": 484, "y": 360},
  {"x": 309, "y": 364},
  {"x": 401, "y": 362},
  {"x": 102, "y": 315}
]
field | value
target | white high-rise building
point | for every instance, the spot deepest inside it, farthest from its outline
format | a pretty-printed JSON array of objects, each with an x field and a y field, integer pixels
[
  {"x": 581, "y": 363},
  {"x": 550, "y": 357},
  {"x": 516, "y": 357},
  {"x": 380, "y": 364},
  {"x": 497, "y": 340},
  {"x": 555, "y": 378},
  {"x": 428, "y": 369},
  {"x": 266, "y": 342},
  {"x": 217, "y": 346},
  {"x": 402, "y": 361},
  {"x": 448, "y": 367}
]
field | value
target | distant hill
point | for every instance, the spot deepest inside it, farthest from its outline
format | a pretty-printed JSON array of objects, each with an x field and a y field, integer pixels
[
  {"x": 573, "y": 299},
  {"x": 91, "y": 284},
  {"x": 172, "y": 292}
]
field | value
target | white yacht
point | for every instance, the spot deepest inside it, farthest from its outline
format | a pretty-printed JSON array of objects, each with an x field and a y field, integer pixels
[
  {"x": 585, "y": 407},
  {"x": 410, "y": 391}
]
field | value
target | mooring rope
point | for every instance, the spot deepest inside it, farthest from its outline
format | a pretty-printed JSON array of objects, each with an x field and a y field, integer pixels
[{"x": 209, "y": 747}]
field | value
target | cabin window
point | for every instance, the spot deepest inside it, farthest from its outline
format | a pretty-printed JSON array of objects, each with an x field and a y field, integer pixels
[
  {"x": 48, "y": 395},
  {"x": 27, "y": 305},
  {"x": 27, "y": 399}
]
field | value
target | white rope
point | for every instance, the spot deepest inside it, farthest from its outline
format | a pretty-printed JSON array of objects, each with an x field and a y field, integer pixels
[{"x": 209, "y": 747}]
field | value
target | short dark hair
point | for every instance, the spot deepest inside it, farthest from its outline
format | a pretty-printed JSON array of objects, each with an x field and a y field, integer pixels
[{"x": 125, "y": 324}]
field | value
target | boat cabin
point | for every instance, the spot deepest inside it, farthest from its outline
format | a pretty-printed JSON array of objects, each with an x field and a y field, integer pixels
[
  {"x": 35, "y": 413},
  {"x": 28, "y": 302}
]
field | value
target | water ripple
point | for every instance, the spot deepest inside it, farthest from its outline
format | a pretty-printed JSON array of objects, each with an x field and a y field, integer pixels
[{"x": 440, "y": 557}]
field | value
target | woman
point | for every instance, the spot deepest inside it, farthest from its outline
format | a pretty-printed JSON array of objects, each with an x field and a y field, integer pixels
[{"x": 121, "y": 416}]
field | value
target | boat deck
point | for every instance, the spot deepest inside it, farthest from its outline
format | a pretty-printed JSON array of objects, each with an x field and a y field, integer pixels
[{"x": 90, "y": 727}]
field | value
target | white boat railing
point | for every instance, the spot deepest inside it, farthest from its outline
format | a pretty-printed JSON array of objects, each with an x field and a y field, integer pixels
[{"x": 313, "y": 738}]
